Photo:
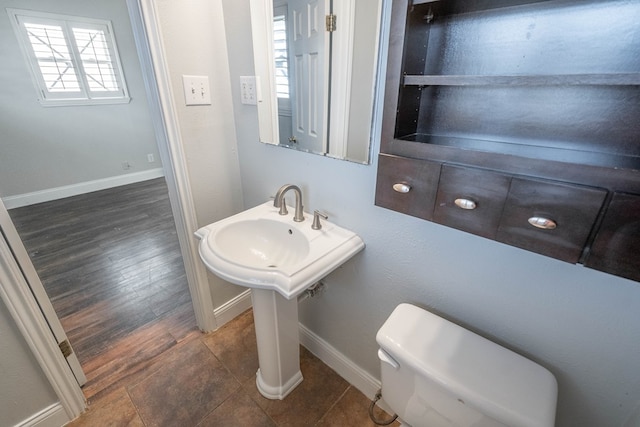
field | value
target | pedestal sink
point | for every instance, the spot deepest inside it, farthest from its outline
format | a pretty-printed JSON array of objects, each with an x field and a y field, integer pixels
[{"x": 278, "y": 259}]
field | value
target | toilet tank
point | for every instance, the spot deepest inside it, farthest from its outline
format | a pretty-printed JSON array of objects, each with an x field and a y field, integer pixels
[{"x": 438, "y": 374}]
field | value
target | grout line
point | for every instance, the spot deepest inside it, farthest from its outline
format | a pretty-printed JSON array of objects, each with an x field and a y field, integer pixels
[{"x": 334, "y": 404}]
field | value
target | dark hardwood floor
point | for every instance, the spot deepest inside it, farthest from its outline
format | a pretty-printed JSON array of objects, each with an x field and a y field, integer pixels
[{"x": 111, "y": 265}]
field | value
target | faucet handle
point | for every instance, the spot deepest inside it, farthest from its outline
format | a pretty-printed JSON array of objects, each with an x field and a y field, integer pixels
[{"x": 316, "y": 219}]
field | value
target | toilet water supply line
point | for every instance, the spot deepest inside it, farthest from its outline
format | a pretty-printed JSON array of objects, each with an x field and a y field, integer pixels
[{"x": 373, "y": 417}]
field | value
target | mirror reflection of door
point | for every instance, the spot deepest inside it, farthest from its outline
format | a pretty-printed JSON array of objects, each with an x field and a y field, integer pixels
[{"x": 301, "y": 59}]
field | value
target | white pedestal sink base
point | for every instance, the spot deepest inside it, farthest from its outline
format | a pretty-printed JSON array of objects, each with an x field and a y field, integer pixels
[{"x": 276, "y": 323}]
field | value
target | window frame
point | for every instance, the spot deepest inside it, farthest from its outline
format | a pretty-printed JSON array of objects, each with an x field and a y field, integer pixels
[{"x": 67, "y": 23}]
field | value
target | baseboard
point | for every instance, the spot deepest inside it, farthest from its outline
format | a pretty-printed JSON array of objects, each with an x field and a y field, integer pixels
[
  {"x": 52, "y": 416},
  {"x": 56, "y": 193},
  {"x": 345, "y": 367},
  {"x": 232, "y": 308}
]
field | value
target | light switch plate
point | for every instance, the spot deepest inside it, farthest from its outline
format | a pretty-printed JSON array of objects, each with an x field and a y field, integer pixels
[
  {"x": 196, "y": 90},
  {"x": 248, "y": 90}
]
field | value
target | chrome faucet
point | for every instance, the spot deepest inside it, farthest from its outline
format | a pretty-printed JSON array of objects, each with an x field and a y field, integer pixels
[{"x": 278, "y": 201}]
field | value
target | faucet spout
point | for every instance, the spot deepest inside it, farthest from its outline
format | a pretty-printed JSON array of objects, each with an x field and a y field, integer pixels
[{"x": 278, "y": 201}]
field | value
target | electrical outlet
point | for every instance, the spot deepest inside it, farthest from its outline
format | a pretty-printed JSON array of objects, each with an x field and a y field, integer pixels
[
  {"x": 248, "y": 90},
  {"x": 196, "y": 90}
]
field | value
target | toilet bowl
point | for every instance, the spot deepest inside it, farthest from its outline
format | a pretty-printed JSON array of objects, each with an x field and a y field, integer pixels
[{"x": 438, "y": 374}]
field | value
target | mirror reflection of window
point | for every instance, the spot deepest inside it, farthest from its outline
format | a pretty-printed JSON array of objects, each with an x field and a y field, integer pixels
[
  {"x": 280, "y": 53},
  {"x": 283, "y": 76}
]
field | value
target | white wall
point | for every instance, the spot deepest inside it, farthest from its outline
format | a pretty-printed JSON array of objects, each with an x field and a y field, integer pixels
[
  {"x": 195, "y": 44},
  {"x": 24, "y": 389},
  {"x": 579, "y": 323},
  {"x": 48, "y": 147}
]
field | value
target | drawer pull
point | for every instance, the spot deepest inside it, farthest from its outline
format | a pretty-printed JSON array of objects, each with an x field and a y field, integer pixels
[
  {"x": 402, "y": 187},
  {"x": 544, "y": 223},
  {"x": 465, "y": 204}
]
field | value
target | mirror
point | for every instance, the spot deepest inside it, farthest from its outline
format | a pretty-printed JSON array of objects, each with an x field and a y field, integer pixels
[{"x": 315, "y": 88}]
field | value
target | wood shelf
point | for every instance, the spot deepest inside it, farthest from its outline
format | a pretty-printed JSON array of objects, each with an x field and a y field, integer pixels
[
  {"x": 535, "y": 150},
  {"x": 617, "y": 79}
]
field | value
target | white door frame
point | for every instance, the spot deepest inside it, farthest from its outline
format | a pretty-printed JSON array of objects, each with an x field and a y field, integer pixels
[
  {"x": 148, "y": 37},
  {"x": 15, "y": 291},
  {"x": 21, "y": 258},
  {"x": 30, "y": 320}
]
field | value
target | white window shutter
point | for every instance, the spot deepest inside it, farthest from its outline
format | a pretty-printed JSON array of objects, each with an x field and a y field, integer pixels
[{"x": 73, "y": 60}]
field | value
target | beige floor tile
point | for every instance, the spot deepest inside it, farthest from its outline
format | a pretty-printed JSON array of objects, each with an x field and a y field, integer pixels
[
  {"x": 317, "y": 393},
  {"x": 235, "y": 346},
  {"x": 353, "y": 410},
  {"x": 113, "y": 410},
  {"x": 190, "y": 385},
  {"x": 238, "y": 411}
]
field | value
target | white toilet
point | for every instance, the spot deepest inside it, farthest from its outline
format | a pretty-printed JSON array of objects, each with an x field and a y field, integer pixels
[{"x": 436, "y": 374}]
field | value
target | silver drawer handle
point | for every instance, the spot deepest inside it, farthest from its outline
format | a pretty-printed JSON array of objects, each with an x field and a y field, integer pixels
[
  {"x": 465, "y": 204},
  {"x": 544, "y": 223},
  {"x": 402, "y": 187}
]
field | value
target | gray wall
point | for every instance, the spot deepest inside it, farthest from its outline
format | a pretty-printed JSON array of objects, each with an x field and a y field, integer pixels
[
  {"x": 579, "y": 323},
  {"x": 24, "y": 389},
  {"x": 47, "y": 147}
]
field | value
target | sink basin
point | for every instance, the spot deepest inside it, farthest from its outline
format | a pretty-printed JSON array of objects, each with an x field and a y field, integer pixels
[
  {"x": 261, "y": 243},
  {"x": 261, "y": 249}
]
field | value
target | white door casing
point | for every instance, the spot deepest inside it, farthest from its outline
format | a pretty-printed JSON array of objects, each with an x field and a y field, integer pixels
[
  {"x": 32, "y": 324},
  {"x": 33, "y": 280}
]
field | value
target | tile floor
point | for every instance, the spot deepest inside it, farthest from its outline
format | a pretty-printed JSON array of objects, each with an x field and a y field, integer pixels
[{"x": 209, "y": 380}]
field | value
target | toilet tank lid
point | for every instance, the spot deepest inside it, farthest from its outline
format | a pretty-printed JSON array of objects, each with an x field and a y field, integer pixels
[{"x": 483, "y": 374}]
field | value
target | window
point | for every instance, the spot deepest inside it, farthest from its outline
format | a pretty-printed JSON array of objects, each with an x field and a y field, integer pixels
[{"x": 72, "y": 60}]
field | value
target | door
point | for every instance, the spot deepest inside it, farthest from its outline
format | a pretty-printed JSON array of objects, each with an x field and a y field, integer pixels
[
  {"x": 22, "y": 258},
  {"x": 309, "y": 72}
]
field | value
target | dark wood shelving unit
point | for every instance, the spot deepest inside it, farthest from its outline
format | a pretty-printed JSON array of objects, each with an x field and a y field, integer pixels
[{"x": 541, "y": 98}]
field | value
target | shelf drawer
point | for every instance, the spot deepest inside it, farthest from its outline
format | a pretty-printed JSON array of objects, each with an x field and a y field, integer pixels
[
  {"x": 471, "y": 199},
  {"x": 420, "y": 178},
  {"x": 569, "y": 211},
  {"x": 616, "y": 248}
]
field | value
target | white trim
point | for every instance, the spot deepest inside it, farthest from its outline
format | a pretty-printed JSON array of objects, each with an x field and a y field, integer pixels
[
  {"x": 341, "y": 75},
  {"x": 52, "y": 416},
  {"x": 233, "y": 308},
  {"x": 148, "y": 38},
  {"x": 337, "y": 361},
  {"x": 30, "y": 320},
  {"x": 27, "y": 199},
  {"x": 345, "y": 367},
  {"x": 35, "y": 285},
  {"x": 262, "y": 33}
]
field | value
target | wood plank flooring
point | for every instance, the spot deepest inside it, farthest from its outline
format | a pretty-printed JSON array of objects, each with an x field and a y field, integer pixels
[{"x": 111, "y": 265}]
